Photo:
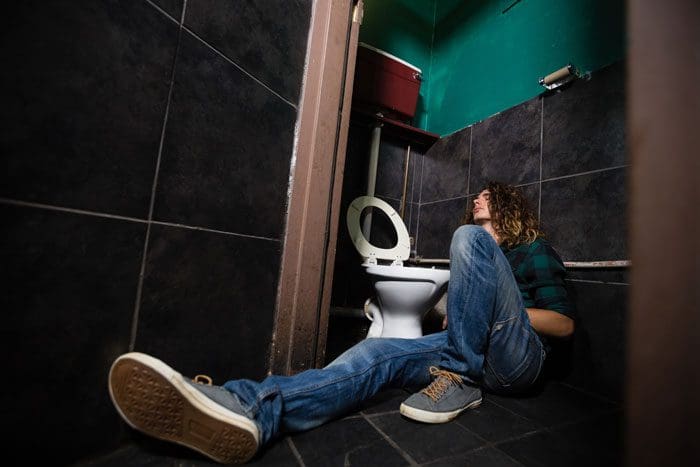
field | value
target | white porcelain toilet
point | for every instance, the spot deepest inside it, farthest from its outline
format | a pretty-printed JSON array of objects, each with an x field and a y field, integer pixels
[{"x": 404, "y": 294}]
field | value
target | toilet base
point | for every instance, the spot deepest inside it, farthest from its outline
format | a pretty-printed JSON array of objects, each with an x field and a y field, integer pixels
[{"x": 392, "y": 324}]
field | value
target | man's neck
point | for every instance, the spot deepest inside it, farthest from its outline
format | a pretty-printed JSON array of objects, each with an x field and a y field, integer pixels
[{"x": 488, "y": 226}]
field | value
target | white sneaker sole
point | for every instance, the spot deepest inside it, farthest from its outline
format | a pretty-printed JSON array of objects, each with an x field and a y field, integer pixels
[
  {"x": 426, "y": 416},
  {"x": 155, "y": 399}
]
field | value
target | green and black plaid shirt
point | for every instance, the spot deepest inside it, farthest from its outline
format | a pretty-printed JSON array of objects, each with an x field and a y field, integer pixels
[{"x": 539, "y": 272}]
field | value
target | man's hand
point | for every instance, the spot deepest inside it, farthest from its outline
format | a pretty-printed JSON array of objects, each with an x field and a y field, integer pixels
[{"x": 444, "y": 322}]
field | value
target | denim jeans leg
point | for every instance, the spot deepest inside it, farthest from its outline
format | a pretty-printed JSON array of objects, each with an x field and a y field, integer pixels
[
  {"x": 488, "y": 326},
  {"x": 293, "y": 403}
]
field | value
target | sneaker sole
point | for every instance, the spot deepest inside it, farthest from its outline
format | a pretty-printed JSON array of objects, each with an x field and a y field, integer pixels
[
  {"x": 426, "y": 416},
  {"x": 154, "y": 399}
]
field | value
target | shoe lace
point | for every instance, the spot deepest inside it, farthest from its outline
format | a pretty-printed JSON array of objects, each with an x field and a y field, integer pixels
[
  {"x": 203, "y": 379},
  {"x": 443, "y": 380}
]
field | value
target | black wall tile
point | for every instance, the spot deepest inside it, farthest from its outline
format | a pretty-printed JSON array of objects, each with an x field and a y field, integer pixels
[
  {"x": 390, "y": 168},
  {"x": 438, "y": 221},
  {"x": 267, "y": 39},
  {"x": 87, "y": 85},
  {"x": 383, "y": 233},
  {"x": 506, "y": 147},
  {"x": 415, "y": 175},
  {"x": 343, "y": 333},
  {"x": 445, "y": 172},
  {"x": 599, "y": 339},
  {"x": 207, "y": 302},
  {"x": 584, "y": 125},
  {"x": 532, "y": 196},
  {"x": 585, "y": 216},
  {"x": 68, "y": 304},
  {"x": 227, "y": 150}
]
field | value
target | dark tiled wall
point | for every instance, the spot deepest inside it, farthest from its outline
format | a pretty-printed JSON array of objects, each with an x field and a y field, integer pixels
[
  {"x": 143, "y": 193},
  {"x": 566, "y": 150}
]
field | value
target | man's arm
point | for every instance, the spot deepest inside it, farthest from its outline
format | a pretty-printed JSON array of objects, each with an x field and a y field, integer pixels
[{"x": 550, "y": 323}]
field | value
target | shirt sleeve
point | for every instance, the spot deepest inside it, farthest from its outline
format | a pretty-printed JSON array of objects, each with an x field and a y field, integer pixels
[{"x": 545, "y": 279}]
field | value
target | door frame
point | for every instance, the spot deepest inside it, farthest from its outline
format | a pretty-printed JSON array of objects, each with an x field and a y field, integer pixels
[{"x": 308, "y": 252}]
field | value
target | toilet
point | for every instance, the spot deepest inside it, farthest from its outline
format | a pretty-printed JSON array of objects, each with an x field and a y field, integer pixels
[{"x": 403, "y": 294}]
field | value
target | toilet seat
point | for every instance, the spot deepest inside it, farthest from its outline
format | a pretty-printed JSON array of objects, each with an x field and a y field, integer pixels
[{"x": 370, "y": 253}]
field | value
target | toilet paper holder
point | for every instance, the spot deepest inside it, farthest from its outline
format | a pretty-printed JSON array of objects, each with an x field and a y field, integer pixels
[{"x": 561, "y": 76}]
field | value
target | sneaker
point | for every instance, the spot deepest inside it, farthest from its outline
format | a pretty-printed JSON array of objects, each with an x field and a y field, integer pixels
[
  {"x": 441, "y": 401},
  {"x": 155, "y": 399}
]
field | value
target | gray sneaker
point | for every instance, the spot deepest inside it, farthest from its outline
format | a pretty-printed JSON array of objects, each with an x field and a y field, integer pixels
[
  {"x": 441, "y": 401},
  {"x": 155, "y": 399}
]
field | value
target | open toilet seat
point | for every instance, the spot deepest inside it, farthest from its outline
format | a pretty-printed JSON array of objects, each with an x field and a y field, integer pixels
[{"x": 370, "y": 253}]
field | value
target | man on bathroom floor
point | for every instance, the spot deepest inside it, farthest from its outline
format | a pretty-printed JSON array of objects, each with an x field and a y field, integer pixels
[{"x": 505, "y": 296}]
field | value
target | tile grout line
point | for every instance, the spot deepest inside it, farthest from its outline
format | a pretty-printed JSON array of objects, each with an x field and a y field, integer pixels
[
  {"x": 83, "y": 212},
  {"x": 218, "y": 52},
  {"x": 538, "y": 182},
  {"x": 488, "y": 445},
  {"x": 420, "y": 199},
  {"x": 221, "y": 54},
  {"x": 223, "y": 232},
  {"x": 469, "y": 161},
  {"x": 496, "y": 444},
  {"x": 48, "y": 207},
  {"x": 163, "y": 12},
  {"x": 144, "y": 256},
  {"x": 391, "y": 442},
  {"x": 295, "y": 451}
]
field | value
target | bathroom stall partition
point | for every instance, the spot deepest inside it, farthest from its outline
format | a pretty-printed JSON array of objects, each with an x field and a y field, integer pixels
[{"x": 565, "y": 149}]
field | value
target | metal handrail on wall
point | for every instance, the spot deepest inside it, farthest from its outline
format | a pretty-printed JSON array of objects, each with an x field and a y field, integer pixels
[{"x": 568, "y": 264}]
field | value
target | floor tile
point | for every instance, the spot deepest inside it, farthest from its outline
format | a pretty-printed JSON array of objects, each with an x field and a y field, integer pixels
[
  {"x": 278, "y": 454},
  {"x": 488, "y": 436},
  {"x": 593, "y": 442},
  {"x": 350, "y": 441},
  {"x": 486, "y": 457},
  {"x": 425, "y": 442},
  {"x": 556, "y": 404},
  {"x": 494, "y": 423}
]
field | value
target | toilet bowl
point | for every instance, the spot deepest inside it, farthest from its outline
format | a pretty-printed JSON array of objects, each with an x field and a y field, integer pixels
[{"x": 403, "y": 294}]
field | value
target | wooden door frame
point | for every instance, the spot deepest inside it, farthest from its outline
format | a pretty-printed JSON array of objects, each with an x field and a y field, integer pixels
[
  {"x": 663, "y": 367},
  {"x": 308, "y": 252}
]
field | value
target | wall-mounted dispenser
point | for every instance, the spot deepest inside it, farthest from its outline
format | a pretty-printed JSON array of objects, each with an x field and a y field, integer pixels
[{"x": 561, "y": 77}]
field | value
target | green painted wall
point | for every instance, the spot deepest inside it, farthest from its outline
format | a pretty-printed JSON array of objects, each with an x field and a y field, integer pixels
[
  {"x": 403, "y": 28},
  {"x": 480, "y": 57}
]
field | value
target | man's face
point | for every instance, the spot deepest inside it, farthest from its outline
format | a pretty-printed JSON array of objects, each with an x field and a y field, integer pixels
[{"x": 481, "y": 208}]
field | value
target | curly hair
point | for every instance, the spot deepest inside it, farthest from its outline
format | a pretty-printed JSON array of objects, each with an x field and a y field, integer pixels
[{"x": 512, "y": 218}]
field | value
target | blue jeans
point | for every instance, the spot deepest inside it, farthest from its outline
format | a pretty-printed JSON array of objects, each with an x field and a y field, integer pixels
[{"x": 489, "y": 341}]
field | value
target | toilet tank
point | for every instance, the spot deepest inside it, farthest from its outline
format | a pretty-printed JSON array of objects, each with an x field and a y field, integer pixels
[{"x": 385, "y": 83}]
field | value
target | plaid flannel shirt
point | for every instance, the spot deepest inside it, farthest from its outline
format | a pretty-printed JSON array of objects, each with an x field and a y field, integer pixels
[{"x": 539, "y": 272}]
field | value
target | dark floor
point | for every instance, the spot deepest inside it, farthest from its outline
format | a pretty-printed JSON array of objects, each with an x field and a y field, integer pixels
[{"x": 559, "y": 426}]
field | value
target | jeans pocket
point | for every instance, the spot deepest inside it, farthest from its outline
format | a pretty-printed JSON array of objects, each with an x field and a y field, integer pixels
[{"x": 513, "y": 357}]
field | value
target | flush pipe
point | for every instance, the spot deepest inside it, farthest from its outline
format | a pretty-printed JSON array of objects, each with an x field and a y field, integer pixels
[{"x": 372, "y": 174}]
